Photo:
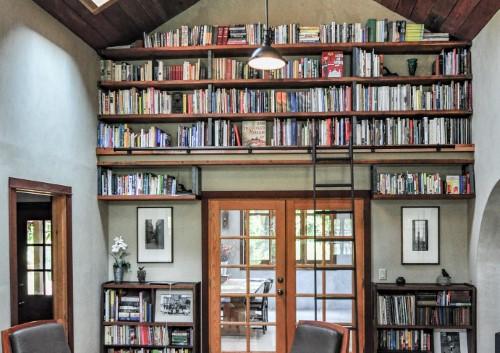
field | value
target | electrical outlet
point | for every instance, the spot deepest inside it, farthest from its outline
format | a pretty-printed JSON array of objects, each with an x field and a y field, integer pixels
[{"x": 382, "y": 274}]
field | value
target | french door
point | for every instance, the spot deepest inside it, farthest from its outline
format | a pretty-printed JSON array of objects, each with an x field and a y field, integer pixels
[{"x": 266, "y": 272}]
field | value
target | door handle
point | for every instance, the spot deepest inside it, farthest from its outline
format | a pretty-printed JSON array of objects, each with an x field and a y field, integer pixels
[
  {"x": 21, "y": 303},
  {"x": 280, "y": 291},
  {"x": 280, "y": 279}
]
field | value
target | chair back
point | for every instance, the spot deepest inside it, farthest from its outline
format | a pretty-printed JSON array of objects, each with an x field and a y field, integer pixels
[
  {"x": 268, "y": 283},
  {"x": 320, "y": 337},
  {"x": 44, "y": 336}
]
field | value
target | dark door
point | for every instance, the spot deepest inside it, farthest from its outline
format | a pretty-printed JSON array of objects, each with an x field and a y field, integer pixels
[{"x": 34, "y": 254}]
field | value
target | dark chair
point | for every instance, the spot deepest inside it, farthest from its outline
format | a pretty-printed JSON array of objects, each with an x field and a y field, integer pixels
[
  {"x": 320, "y": 337},
  {"x": 44, "y": 336},
  {"x": 259, "y": 306}
]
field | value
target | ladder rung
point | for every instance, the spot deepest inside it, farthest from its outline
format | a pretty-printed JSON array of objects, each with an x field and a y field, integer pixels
[
  {"x": 337, "y": 239},
  {"x": 333, "y": 211},
  {"x": 333, "y": 185},
  {"x": 339, "y": 297},
  {"x": 333, "y": 159}
]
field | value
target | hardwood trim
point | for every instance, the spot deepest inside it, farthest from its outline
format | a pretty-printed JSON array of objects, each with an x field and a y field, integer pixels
[
  {"x": 29, "y": 186},
  {"x": 205, "y": 276},
  {"x": 92, "y": 7},
  {"x": 14, "y": 291}
]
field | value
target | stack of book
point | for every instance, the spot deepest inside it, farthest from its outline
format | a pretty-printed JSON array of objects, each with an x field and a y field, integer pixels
[
  {"x": 309, "y": 34},
  {"x": 237, "y": 34},
  {"x": 414, "y": 32},
  {"x": 440, "y": 37}
]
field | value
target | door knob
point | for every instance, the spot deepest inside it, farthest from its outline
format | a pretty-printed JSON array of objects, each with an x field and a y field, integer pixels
[
  {"x": 20, "y": 303},
  {"x": 280, "y": 292},
  {"x": 280, "y": 279}
]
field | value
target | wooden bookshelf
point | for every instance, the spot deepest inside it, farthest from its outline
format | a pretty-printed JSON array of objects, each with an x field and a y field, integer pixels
[
  {"x": 424, "y": 309},
  {"x": 173, "y": 156},
  {"x": 123, "y": 334}
]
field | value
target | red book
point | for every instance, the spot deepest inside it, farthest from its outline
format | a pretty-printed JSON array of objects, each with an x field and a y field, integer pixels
[
  {"x": 237, "y": 135},
  {"x": 332, "y": 64}
]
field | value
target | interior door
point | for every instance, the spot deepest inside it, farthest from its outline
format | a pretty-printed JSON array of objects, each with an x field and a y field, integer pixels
[
  {"x": 247, "y": 276},
  {"x": 34, "y": 248}
]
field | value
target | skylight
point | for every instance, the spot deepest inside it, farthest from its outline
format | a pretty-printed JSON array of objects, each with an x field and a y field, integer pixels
[{"x": 96, "y": 6}]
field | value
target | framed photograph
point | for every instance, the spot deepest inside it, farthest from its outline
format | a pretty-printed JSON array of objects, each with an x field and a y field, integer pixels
[
  {"x": 154, "y": 234},
  {"x": 420, "y": 235},
  {"x": 450, "y": 340},
  {"x": 174, "y": 306}
]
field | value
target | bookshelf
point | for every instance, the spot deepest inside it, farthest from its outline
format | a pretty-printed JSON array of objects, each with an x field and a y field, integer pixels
[
  {"x": 216, "y": 101},
  {"x": 150, "y": 317},
  {"x": 412, "y": 316}
]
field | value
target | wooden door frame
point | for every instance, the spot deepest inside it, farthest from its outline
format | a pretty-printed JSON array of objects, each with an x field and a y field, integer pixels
[
  {"x": 207, "y": 195},
  {"x": 62, "y": 248}
]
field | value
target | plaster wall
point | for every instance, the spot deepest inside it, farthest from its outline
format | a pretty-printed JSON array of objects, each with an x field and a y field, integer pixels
[
  {"x": 47, "y": 118},
  {"x": 485, "y": 236}
]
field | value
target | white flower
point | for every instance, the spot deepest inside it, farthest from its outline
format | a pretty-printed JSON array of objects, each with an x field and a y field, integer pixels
[{"x": 119, "y": 251}]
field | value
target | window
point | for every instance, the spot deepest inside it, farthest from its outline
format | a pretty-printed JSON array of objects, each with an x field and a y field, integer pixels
[
  {"x": 39, "y": 257},
  {"x": 95, "y": 6}
]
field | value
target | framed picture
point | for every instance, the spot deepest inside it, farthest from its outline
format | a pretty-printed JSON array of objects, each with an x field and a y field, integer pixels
[
  {"x": 154, "y": 234},
  {"x": 420, "y": 235},
  {"x": 450, "y": 341},
  {"x": 174, "y": 306}
]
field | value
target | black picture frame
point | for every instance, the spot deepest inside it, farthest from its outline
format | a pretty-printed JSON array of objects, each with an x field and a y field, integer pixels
[
  {"x": 420, "y": 235},
  {"x": 155, "y": 235}
]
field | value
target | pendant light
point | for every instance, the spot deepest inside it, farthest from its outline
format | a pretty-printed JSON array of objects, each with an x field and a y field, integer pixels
[{"x": 266, "y": 57}]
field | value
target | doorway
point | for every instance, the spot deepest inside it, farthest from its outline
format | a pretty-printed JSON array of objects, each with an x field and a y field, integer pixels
[
  {"x": 34, "y": 259},
  {"x": 58, "y": 245},
  {"x": 266, "y": 272}
]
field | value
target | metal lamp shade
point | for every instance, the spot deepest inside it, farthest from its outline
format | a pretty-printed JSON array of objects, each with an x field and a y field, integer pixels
[{"x": 266, "y": 58}]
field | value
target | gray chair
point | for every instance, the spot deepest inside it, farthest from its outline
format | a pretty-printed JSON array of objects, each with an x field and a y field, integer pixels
[
  {"x": 44, "y": 336},
  {"x": 320, "y": 337},
  {"x": 259, "y": 306}
]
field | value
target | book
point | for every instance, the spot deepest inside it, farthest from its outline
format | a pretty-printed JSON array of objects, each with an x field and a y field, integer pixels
[
  {"x": 253, "y": 133},
  {"x": 332, "y": 64}
]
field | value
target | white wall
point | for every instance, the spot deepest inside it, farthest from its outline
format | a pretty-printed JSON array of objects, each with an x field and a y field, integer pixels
[
  {"x": 485, "y": 236},
  {"x": 47, "y": 133}
]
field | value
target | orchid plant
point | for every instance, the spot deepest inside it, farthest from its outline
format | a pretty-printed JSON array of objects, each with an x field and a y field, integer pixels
[{"x": 119, "y": 251}]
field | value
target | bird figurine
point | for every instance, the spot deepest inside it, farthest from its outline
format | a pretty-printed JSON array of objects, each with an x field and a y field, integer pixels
[{"x": 445, "y": 274}]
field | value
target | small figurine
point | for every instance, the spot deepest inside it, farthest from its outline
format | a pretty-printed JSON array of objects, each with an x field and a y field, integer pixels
[
  {"x": 400, "y": 281},
  {"x": 445, "y": 274},
  {"x": 141, "y": 274}
]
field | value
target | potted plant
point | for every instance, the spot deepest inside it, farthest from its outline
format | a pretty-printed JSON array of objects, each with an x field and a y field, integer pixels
[{"x": 119, "y": 251}]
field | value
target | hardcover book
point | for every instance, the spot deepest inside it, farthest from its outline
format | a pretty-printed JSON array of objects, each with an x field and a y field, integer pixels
[
  {"x": 332, "y": 64},
  {"x": 253, "y": 133}
]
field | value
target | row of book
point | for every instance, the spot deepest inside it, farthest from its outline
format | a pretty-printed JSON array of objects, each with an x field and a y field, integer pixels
[
  {"x": 444, "y": 316},
  {"x": 365, "y": 63},
  {"x": 136, "y": 335},
  {"x": 111, "y": 183},
  {"x": 421, "y": 184},
  {"x": 404, "y": 340},
  {"x": 456, "y": 61},
  {"x": 333, "y": 131},
  {"x": 123, "y": 136},
  {"x": 396, "y": 309},
  {"x": 411, "y": 131},
  {"x": 405, "y": 97},
  {"x": 334, "y": 32},
  {"x": 453, "y": 298},
  {"x": 150, "y": 350},
  {"x": 127, "y": 307}
]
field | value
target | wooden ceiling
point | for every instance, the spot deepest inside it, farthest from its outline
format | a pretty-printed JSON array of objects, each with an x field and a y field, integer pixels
[
  {"x": 120, "y": 23},
  {"x": 462, "y": 19},
  {"x": 124, "y": 21}
]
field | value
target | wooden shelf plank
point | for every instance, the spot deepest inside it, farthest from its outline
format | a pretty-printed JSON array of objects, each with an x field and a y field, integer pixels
[{"x": 285, "y": 49}]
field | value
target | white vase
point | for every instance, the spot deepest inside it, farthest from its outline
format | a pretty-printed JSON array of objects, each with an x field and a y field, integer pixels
[{"x": 223, "y": 270}]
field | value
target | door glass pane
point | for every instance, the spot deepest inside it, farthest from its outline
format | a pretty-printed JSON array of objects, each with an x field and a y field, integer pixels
[
  {"x": 305, "y": 308},
  {"x": 34, "y": 232},
  {"x": 338, "y": 253},
  {"x": 35, "y": 283},
  {"x": 48, "y": 232},
  {"x": 247, "y": 302},
  {"x": 339, "y": 282},
  {"x": 339, "y": 311},
  {"x": 48, "y": 258},
  {"x": 48, "y": 283},
  {"x": 34, "y": 257}
]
